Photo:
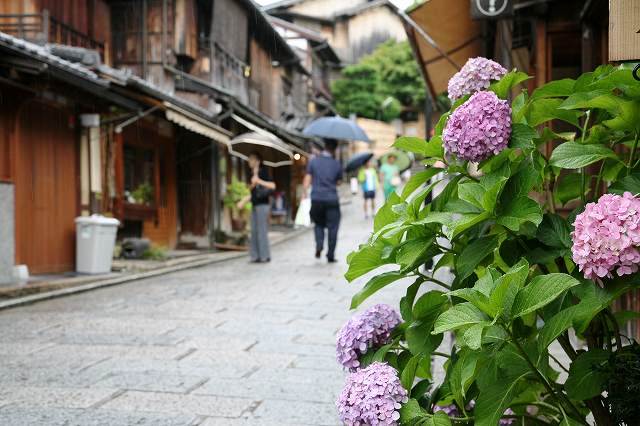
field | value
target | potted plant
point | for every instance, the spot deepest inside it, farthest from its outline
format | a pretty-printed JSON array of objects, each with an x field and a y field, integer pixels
[
  {"x": 539, "y": 244},
  {"x": 236, "y": 192}
]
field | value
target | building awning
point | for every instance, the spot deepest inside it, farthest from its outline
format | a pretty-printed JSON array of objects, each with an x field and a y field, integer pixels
[{"x": 196, "y": 124}]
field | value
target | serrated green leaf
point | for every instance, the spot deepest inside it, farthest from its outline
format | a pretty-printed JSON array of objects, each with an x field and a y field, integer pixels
[
  {"x": 473, "y": 254},
  {"x": 562, "y": 321},
  {"x": 458, "y": 316},
  {"x": 502, "y": 88},
  {"x": 522, "y": 136},
  {"x": 474, "y": 296},
  {"x": 554, "y": 231},
  {"x": 429, "y": 305},
  {"x": 569, "y": 188},
  {"x": 408, "y": 374},
  {"x": 573, "y": 155},
  {"x": 434, "y": 148},
  {"x": 554, "y": 89},
  {"x": 506, "y": 288},
  {"x": 417, "y": 180},
  {"x": 367, "y": 258},
  {"x": 588, "y": 374},
  {"x": 494, "y": 399},
  {"x": 373, "y": 285},
  {"x": 518, "y": 211},
  {"x": 386, "y": 214},
  {"x": 411, "y": 144},
  {"x": 471, "y": 192},
  {"x": 629, "y": 183},
  {"x": 463, "y": 374},
  {"x": 601, "y": 99},
  {"x": 543, "y": 110},
  {"x": 411, "y": 410},
  {"x": 542, "y": 290},
  {"x": 473, "y": 335}
]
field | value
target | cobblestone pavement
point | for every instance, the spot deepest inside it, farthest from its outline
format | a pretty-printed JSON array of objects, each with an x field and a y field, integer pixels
[{"x": 229, "y": 344}]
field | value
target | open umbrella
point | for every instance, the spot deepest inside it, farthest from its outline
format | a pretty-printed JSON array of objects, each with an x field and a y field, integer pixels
[
  {"x": 274, "y": 152},
  {"x": 336, "y": 128},
  {"x": 403, "y": 160},
  {"x": 358, "y": 161}
]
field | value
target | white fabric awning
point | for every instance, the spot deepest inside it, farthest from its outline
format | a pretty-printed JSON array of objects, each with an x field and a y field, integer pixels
[{"x": 196, "y": 124}]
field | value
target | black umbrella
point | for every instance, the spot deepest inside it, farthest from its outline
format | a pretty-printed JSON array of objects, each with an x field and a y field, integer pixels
[
  {"x": 358, "y": 161},
  {"x": 336, "y": 128}
]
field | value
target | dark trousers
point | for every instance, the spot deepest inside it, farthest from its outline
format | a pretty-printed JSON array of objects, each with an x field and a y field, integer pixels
[{"x": 326, "y": 214}]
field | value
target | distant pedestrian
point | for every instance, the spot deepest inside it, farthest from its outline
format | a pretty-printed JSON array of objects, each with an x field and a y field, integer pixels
[
  {"x": 324, "y": 174},
  {"x": 390, "y": 176},
  {"x": 261, "y": 189},
  {"x": 368, "y": 178}
]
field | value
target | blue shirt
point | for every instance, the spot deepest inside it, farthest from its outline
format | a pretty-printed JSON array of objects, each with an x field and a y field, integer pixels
[{"x": 325, "y": 172}]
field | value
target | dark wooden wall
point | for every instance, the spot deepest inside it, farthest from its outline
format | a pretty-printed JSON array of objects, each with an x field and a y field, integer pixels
[{"x": 230, "y": 27}]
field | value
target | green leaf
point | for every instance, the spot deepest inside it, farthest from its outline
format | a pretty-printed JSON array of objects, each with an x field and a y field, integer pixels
[
  {"x": 380, "y": 354},
  {"x": 473, "y": 254},
  {"x": 416, "y": 251},
  {"x": 463, "y": 374},
  {"x": 518, "y": 211},
  {"x": 410, "y": 411},
  {"x": 471, "y": 192},
  {"x": 629, "y": 183},
  {"x": 623, "y": 317},
  {"x": 411, "y": 144},
  {"x": 473, "y": 335},
  {"x": 419, "y": 337},
  {"x": 406, "y": 303},
  {"x": 434, "y": 148},
  {"x": 569, "y": 188},
  {"x": 563, "y": 320},
  {"x": 601, "y": 99},
  {"x": 554, "y": 231},
  {"x": 494, "y": 399},
  {"x": 588, "y": 375},
  {"x": 386, "y": 214},
  {"x": 373, "y": 285},
  {"x": 522, "y": 136},
  {"x": 429, "y": 305},
  {"x": 367, "y": 258},
  {"x": 543, "y": 110},
  {"x": 458, "y": 316},
  {"x": 438, "y": 419},
  {"x": 572, "y": 155},
  {"x": 417, "y": 180},
  {"x": 507, "y": 287},
  {"x": 542, "y": 290},
  {"x": 554, "y": 89},
  {"x": 479, "y": 300},
  {"x": 408, "y": 374},
  {"x": 502, "y": 88},
  {"x": 628, "y": 117}
]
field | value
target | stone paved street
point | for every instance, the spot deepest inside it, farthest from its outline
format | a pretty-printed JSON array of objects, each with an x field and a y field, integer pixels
[{"x": 229, "y": 344}]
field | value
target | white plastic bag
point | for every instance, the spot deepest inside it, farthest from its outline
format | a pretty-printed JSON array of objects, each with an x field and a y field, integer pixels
[{"x": 303, "y": 217}]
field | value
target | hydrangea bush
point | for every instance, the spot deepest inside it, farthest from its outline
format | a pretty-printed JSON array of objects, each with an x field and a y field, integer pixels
[{"x": 536, "y": 219}]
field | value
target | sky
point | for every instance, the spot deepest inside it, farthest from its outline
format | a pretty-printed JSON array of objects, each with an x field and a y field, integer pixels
[{"x": 402, "y": 4}]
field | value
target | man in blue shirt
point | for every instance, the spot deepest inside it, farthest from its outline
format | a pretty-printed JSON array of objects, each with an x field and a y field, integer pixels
[{"x": 324, "y": 174}]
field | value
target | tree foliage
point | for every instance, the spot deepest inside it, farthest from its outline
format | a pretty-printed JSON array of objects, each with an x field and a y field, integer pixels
[{"x": 381, "y": 85}]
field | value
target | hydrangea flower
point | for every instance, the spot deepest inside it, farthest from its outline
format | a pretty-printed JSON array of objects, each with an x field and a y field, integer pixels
[
  {"x": 372, "y": 396},
  {"x": 475, "y": 75},
  {"x": 507, "y": 421},
  {"x": 606, "y": 237},
  {"x": 372, "y": 328},
  {"x": 450, "y": 410},
  {"x": 479, "y": 128}
]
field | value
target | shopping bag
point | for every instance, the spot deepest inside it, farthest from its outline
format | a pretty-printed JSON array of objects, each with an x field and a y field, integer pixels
[{"x": 302, "y": 216}]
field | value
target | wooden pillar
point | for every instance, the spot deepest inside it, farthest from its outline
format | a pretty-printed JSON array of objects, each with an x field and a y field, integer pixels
[
  {"x": 541, "y": 54},
  {"x": 118, "y": 161}
]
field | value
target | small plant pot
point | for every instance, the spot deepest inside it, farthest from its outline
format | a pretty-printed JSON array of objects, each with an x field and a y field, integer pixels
[{"x": 238, "y": 225}]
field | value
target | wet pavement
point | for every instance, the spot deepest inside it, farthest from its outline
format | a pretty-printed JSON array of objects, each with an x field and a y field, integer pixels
[{"x": 228, "y": 344}]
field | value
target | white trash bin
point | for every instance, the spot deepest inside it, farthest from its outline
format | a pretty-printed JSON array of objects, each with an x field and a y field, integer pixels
[{"x": 95, "y": 240}]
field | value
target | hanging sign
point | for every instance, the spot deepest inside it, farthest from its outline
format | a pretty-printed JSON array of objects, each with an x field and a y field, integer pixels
[
  {"x": 491, "y": 9},
  {"x": 624, "y": 30}
]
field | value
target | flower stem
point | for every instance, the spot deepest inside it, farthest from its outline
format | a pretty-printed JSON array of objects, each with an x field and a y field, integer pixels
[{"x": 433, "y": 280}]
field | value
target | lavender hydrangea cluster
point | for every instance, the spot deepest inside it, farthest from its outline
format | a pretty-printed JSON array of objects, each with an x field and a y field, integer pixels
[
  {"x": 450, "y": 410},
  {"x": 607, "y": 236},
  {"x": 372, "y": 328},
  {"x": 479, "y": 128},
  {"x": 372, "y": 396},
  {"x": 474, "y": 76}
]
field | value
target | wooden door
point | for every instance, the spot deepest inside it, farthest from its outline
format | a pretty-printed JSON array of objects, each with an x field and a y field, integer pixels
[{"x": 46, "y": 189}]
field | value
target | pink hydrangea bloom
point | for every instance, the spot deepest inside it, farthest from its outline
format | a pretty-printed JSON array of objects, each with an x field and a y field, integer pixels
[
  {"x": 372, "y": 396},
  {"x": 479, "y": 128},
  {"x": 475, "y": 75},
  {"x": 606, "y": 237},
  {"x": 370, "y": 329}
]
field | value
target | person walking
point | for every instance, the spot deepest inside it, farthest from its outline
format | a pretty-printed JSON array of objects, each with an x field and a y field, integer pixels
[
  {"x": 261, "y": 189},
  {"x": 324, "y": 174},
  {"x": 390, "y": 176},
  {"x": 368, "y": 178}
]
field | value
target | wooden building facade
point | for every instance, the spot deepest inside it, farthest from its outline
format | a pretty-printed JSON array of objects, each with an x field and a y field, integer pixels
[{"x": 126, "y": 108}]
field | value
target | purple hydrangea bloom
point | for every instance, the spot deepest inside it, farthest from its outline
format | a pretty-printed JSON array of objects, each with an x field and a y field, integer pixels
[
  {"x": 479, "y": 128},
  {"x": 372, "y": 328},
  {"x": 606, "y": 237},
  {"x": 450, "y": 410},
  {"x": 372, "y": 396},
  {"x": 475, "y": 75},
  {"x": 507, "y": 421}
]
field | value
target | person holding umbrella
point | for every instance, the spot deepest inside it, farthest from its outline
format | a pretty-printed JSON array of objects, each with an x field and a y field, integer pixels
[
  {"x": 324, "y": 174},
  {"x": 368, "y": 178}
]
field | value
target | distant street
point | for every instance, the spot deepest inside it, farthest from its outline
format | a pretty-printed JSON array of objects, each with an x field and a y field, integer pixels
[{"x": 229, "y": 344}]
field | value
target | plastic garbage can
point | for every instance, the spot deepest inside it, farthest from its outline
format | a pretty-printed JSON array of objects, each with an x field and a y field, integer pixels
[{"x": 95, "y": 240}]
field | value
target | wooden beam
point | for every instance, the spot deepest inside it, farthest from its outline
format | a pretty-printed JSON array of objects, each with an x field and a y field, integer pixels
[{"x": 118, "y": 205}]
